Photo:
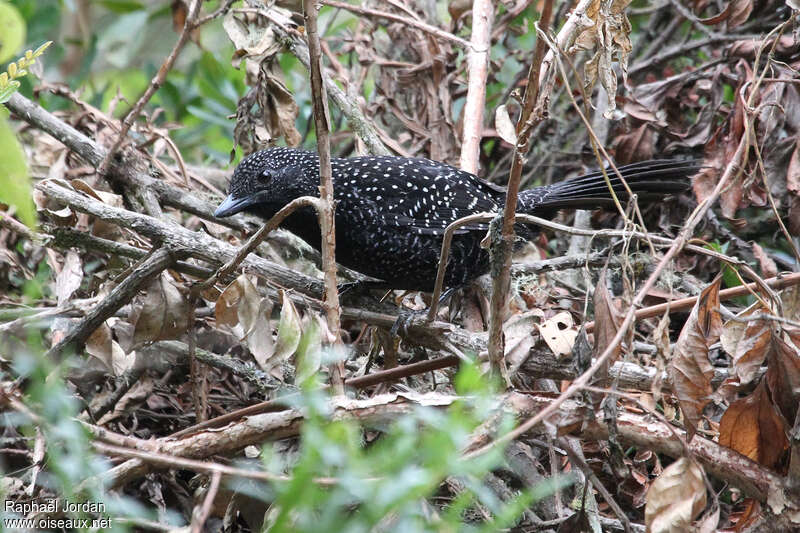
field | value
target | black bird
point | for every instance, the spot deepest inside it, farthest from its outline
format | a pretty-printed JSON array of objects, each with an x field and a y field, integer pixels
[{"x": 391, "y": 212}]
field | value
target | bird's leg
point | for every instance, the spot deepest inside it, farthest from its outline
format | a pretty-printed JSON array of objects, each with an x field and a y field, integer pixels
[{"x": 407, "y": 318}]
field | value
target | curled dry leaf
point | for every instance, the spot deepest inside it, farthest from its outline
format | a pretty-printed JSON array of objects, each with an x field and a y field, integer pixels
[
  {"x": 518, "y": 331},
  {"x": 101, "y": 228},
  {"x": 254, "y": 316},
  {"x": 162, "y": 314},
  {"x": 559, "y": 332},
  {"x": 768, "y": 267},
  {"x": 790, "y": 299},
  {"x": 505, "y": 128},
  {"x": 225, "y": 309},
  {"x": 783, "y": 374},
  {"x": 610, "y": 35},
  {"x": 289, "y": 332},
  {"x": 753, "y": 427},
  {"x": 606, "y": 323},
  {"x": 105, "y": 349},
  {"x": 268, "y": 111},
  {"x": 690, "y": 369},
  {"x": 70, "y": 278},
  {"x": 736, "y": 13},
  {"x": 747, "y": 342},
  {"x": 241, "y": 307},
  {"x": 676, "y": 498}
]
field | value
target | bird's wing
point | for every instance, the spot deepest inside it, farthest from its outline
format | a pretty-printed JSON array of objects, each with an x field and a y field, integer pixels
[{"x": 419, "y": 194}]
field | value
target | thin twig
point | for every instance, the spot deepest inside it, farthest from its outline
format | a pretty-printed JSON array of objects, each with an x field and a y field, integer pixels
[
  {"x": 256, "y": 239},
  {"x": 176, "y": 462},
  {"x": 154, "y": 85},
  {"x": 220, "y": 11},
  {"x": 501, "y": 248},
  {"x": 205, "y": 511},
  {"x": 433, "y": 30},
  {"x": 444, "y": 257},
  {"x": 325, "y": 205}
]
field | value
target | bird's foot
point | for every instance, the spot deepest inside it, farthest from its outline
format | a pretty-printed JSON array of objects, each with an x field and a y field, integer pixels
[
  {"x": 406, "y": 319},
  {"x": 409, "y": 318}
]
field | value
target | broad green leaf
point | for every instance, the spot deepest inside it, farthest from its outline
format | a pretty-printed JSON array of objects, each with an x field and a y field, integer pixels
[
  {"x": 12, "y": 31},
  {"x": 15, "y": 185}
]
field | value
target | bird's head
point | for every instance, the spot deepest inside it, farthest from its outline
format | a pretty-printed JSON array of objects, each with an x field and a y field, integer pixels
[{"x": 267, "y": 180}]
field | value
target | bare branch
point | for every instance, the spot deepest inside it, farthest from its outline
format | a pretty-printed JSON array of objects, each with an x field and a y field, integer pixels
[
  {"x": 482, "y": 19},
  {"x": 325, "y": 206}
]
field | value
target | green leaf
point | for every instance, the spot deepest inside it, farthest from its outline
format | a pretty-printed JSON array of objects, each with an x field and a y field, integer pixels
[
  {"x": 8, "y": 90},
  {"x": 39, "y": 51},
  {"x": 15, "y": 184},
  {"x": 12, "y": 30}
]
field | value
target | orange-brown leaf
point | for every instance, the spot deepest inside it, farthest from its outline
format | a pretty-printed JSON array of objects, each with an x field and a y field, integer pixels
[
  {"x": 690, "y": 369},
  {"x": 606, "y": 323},
  {"x": 783, "y": 376},
  {"x": 675, "y": 498},
  {"x": 753, "y": 427}
]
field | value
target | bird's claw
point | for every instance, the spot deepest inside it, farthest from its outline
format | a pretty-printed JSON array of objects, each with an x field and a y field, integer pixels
[
  {"x": 349, "y": 286},
  {"x": 406, "y": 319}
]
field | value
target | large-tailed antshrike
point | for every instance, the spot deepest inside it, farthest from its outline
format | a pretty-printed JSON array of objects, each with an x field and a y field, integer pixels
[{"x": 391, "y": 212}]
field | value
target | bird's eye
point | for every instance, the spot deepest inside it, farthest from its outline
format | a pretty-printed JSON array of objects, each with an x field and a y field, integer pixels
[{"x": 266, "y": 174}]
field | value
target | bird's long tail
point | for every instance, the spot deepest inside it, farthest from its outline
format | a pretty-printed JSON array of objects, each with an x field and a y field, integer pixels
[{"x": 649, "y": 180}]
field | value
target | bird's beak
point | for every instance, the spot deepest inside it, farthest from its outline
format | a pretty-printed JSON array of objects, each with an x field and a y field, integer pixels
[{"x": 231, "y": 206}]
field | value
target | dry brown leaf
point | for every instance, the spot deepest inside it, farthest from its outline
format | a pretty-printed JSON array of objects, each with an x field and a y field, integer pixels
[
  {"x": 249, "y": 314},
  {"x": 70, "y": 278},
  {"x": 519, "y": 334},
  {"x": 793, "y": 171},
  {"x": 747, "y": 343},
  {"x": 736, "y": 13},
  {"x": 606, "y": 323},
  {"x": 289, "y": 332},
  {"x": 638, "y": 111},
  {"x": 136, "y": 396},
  {"x": 505, "y": 128},
  {"x": 162, "y": 314},
  {"x": 753, "y": 427},
  {"x": 227, "y": 303},
  {"x": 105, "y": 349},
  {"x": 790, "y": 300},
  {"x": 794, "y": 216},
  {"x": 607, "y": 29},
  {"x": 675, "y": 498},
  {"x": 690, "y": 369},
  {"x": 268, "y": 111},
  {"x": 559, "y": 332},
  {"x": 637, "y": 145},
  {"x": 783, "y": 376},
  {"x": 768, "y": 267},
  {"x": 254, "y": 316}
]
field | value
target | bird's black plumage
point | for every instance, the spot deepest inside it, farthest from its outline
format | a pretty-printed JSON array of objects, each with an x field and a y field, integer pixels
[{"x": 391, "y": 212}]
